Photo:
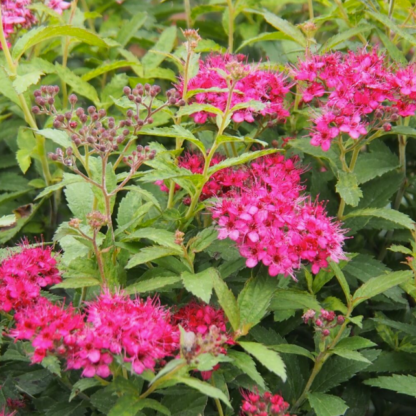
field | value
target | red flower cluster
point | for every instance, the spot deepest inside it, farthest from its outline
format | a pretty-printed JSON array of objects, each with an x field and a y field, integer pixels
[
  {"x": 24, "y": 274},
  {"x": 361, "y": 93},
  {"x": 272, "y": 223},
  {"x": 207, "y": 329},
  {"x": 265, "y": 405},
  {"x": 257, "y": 84},
  {"x": 324, "y": 322},
  {"x": 221, "y": 183},
  {"x": 138, "y": 330}
]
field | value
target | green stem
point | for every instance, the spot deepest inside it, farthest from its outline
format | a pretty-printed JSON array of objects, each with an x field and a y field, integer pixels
[
  {"x": 230, "y": 26},
  {"x": 310, "y": 7},
  {"x": 217, "y": 401},
  {"x": 344, "y": 15},
  {"x": 349, "y": 169},
  {"x": 187, "y": 5},
  {"x": 40, "y": 140},
  {"x": 87, "y": 10},
  {"x": 320, "y": 361}
]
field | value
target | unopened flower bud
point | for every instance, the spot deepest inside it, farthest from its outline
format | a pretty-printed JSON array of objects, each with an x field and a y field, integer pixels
[
  {"x": 387, "y": 127},
  {"x": 127, "y": 90},
  {"x": 35, "y": 109},
  {"x": 340, "y": 319},
  {"x": 57, "y": 124},
  {"x": 73, "y": 99},
  {"x": 325, "y": 332}
]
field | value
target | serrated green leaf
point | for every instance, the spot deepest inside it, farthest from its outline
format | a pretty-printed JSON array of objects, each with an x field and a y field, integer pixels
[
  {"x": 227, "y": 301},
  {"x": 80, "y": 86},
  {"x": 254, "y": 301},
  {"x": 7, "y": 220},
  {"x": 292, "y": 349},
  {"x": 107, "y": 67},
  {"x": 68, "y": 179},
  {"x": 157, "y": 235},
  {"x": 380, "y": 284},
  {"x": 204, "y": 388},
  {"x": 400, "y": 383},
  {"x": 263, "y": 37},
  {"x": 83, "y": 384},
  {"x": 195, "y": 108},
  {"x": 355, "y": 343},
  {"x": 239, "y": 160},
  {"x": 27, "y": 148},
  {"x": 341, "y": 280},
  {"x": 57, "y": 136},
  {"x": 345, "y": 35},
  {"x": 52, "y": 364},
  {"x": 397, "y": 218},
  {"x": 400, "y": 249},
  {"x": 165, "y": 43},
  {"x": 200, "y": 284},
  {"x": 395, "y": 53},
  {"x": 371, "y": 165},
  {"x": 293, "y": 299},
  {"x": 203, "y": 239},
  {"x": 326, "y": 404},
  {"x": 400, "y": 326},
  {"x": 283, "y": 26},
  {"x": 130, "y": 405},
  {"x": 152, "y": 285},
  {"x": 348, "y": 189},
  {"x": 40, "y": 34},
  {"x": 23, "y": 82},
  {"x": 77, "y": 282},
  {"x": 269, "y": 358},
  {"x": 129, "y": 29},
  {"x": 149, "y": 254},
  {"x": 246, "y": 364},
  {"x": 350, "y": 355}
]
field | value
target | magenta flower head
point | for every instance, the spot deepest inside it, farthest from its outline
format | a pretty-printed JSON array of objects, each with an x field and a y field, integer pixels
[
  {"x": 251, "y": 83},
  {"x": 267, "y": 404},
  {"x": 24, "y": 274},
  {"x": 272, "y": 223}
]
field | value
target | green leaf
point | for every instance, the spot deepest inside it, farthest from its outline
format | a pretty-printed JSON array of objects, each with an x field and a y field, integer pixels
[
  {"x": 174, "y": 131},
  {"x": 83, "y": 384},
  {"x": 196, "y": 108},
  {"x": 380, "y": 284},
  {"x": 395, "y": 53},
  {"x": 283, "y": 26},
  {"x": 129, "y": 29},
  {"x": 77, "y": 282},
  {"x": 57, "y": 136},
  {"x": 40, "y": 34},
  {"x": 52, "y": 364},
  {"x": 404, "y": 130},
  {"x": 27, "y": 148},
  {"x": 151, "y": 285},
  {"x": 23, "y": 82},
  {"x": 269, "y": 358},
  {"x": 397, "y": 218},
  {"x": 386, "y": 22},
  {"x": 149, "y": 254},
  {"x": 347, "y": 187},
  {"x": 227, "y": 301},
  {"x": 200, "y": 284},
  {"x": 355, "y": 343},
  {"x": 7, "y": 87},
  {"x": 107, "y": 67},
  {"x": 326, "y": 404},
  {"x": 350, "y": 355},
  {"x": 7, "y": 220},
  {"x": 294, "y": 299},
  {"x": 165, "y": 43},
  {"x": 157, "y": 235},
  {"x": 400, "y": 249},
  {"x": 401, "y": 326},
  {"x": 80, "y": 86},
  {"x": 239, "y": 160},
  {"x": 371, "y": 165},
  {"x": 337, "y": 370},
  {"x": 128, "y": 208},
  {"x": 246, "y": 364},
  {"x": 341, "y": 280},
  {"x": 203, "y": 240},
  {"x": 345, "y": 35},
  {"x": 204, "y": 388},
  {"x": 400, "y": 383},
  {"x": 130, "y": 405},
  {"x": 68, "y": 179},
  {"x": 80, "y": 199},
  {"x": 263, "y": 37},
  {"x": 292, "y": 349},
  {"x": 254, "y": 300}
]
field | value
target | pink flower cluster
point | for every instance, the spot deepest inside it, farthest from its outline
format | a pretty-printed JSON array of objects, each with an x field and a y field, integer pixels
[
  {"x": 221, "y": 183},
  {"x": 266, "y": 405},
  {"x": 355, "y": 93},
  {"x": 257, "y": 84},
  {"x": 23, "y": 275},
  {"x": 140, "y": 331},
  {"x": 324, "y": 322},
  {"x": 272, "y": 223},
  {"x": 16, "y": 14}
]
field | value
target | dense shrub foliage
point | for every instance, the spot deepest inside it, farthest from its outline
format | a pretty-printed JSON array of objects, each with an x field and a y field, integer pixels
[{"x": 207, "y": 208}]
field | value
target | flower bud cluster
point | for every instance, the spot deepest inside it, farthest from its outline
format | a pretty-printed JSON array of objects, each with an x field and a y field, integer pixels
[
  {"x": 324, "y": 322},
  {"x": 138, "y": 156},
  {"x": 96, "y": 220},
  {"x": 267, "y": 404}
]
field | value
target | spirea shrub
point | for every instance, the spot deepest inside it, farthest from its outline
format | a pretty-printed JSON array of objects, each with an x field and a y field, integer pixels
[{"x": 208, "y": 208}]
